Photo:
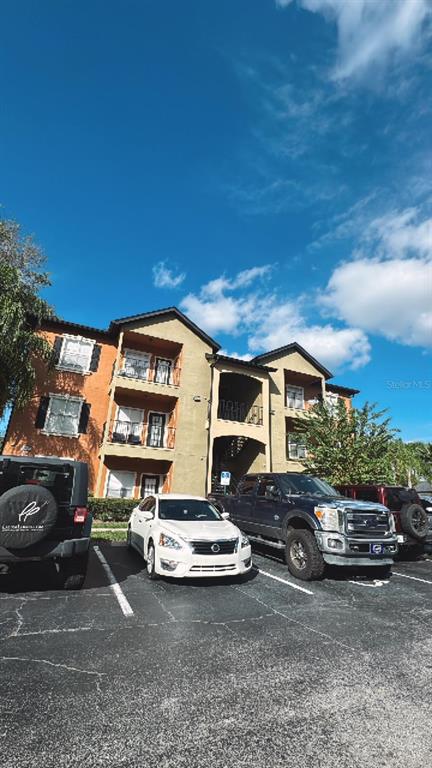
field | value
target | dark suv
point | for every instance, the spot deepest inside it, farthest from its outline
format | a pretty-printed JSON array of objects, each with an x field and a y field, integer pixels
[
  {"x": 413, "y": 522},
  {"x": 44, "y": 514}
]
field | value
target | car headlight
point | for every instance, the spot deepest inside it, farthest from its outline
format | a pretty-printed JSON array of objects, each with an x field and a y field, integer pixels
[
  {"x": 392, "y": 522},
  {"x": 330, "y": 518},
  {"x": 169, "y": 541},
  {"x": 244, "y": 541}
]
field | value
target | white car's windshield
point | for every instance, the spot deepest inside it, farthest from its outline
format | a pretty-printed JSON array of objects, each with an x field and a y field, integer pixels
[{"x": 187, "y": 509}]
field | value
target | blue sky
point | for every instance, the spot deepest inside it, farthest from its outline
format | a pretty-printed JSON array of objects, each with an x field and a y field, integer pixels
[{"x": 265, "y": 166}]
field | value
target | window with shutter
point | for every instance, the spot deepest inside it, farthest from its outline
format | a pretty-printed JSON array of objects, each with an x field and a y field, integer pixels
[
  {"x": 63, "y": 415},
  {"x": 76, "y": 354}
]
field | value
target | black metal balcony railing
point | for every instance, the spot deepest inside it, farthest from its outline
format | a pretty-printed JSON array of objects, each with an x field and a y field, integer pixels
[
  {"x": 161, "y": 373},
  {"x": 233, "y": 410},
  {"x": 150, "y": 434}
]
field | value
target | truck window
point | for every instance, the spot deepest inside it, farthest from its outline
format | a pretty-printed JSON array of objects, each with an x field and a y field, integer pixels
[
  {"x": 265, "y": 484},
  {"x": 247, "y": 486},
  {"x": 367, "y": 494}
]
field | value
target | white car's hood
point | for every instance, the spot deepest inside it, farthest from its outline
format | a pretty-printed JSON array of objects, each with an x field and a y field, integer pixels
[{"x": 207, "y": 530}]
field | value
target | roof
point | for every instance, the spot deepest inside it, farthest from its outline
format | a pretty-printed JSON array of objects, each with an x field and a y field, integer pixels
[
  {"x": 293, "y": 347},
  {"x": 78, "y": 326},
  {"x": 338, "y": 389},
  {"x": 168, "y": 311},
  {"x": 238, "y": 361},
  {"x": 178, "y": 497},
  {"x": 115, "y": 325}
]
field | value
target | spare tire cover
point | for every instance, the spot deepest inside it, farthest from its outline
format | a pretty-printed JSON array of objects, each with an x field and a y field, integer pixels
[
  {"x": 414, "y": 521},
  {"x": 27, "y": 514}
]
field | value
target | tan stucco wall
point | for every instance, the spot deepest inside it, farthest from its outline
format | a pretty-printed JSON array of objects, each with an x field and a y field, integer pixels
[
  {"x": 191, "y": 443},
  {"x": 291, "y": 362}
]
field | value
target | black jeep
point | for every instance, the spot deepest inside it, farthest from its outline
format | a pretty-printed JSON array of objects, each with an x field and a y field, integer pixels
[{"x": 44, "y": 514}]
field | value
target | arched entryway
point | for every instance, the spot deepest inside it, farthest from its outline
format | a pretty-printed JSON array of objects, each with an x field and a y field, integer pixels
[{"x": 238, "y": 455}]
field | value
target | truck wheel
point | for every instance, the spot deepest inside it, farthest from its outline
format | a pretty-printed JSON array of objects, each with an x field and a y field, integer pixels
[
  {"x": 303, "y": 558},
  {"x": 72, "y": 571},
  {"x": 414, "y": 521}
]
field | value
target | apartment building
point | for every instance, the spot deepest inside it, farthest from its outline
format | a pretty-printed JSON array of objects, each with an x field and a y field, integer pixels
[{"x": 151, "y": 405}]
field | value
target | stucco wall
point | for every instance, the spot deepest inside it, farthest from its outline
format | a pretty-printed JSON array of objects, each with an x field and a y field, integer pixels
[
  {"x": 191, "y": 444},
  {"x": 93, "y": 387}
]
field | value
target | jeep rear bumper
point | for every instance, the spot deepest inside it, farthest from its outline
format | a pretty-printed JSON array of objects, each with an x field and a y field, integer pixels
[
  {"x": 338, "y": 549},
  {"x": 46, "y": 550}
]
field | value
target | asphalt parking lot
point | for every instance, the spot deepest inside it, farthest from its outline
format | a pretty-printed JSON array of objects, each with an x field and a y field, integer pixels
[{"x": 267, "y": 672}]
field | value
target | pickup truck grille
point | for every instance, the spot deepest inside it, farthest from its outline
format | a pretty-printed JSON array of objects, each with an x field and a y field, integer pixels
[
  {"x": 370, "y": 525},
  {"x": 227, "y": 547}
]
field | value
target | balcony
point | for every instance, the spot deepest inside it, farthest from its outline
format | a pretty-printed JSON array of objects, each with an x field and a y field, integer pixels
[
  {"x": 138, "y": 439},
  {"x": 233, "y": 410}
]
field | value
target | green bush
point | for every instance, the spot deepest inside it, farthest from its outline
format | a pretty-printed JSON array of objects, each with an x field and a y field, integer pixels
[{"x": 111, "y": 510}]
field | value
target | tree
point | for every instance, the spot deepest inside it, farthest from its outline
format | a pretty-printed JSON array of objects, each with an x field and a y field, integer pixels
[
  {"x": 409, "y": 462},
  {"x": 21, "y": 312},
  {"x": 347, "y": 446}
]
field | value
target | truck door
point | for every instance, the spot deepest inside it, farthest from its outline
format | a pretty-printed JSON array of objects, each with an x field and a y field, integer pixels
[
  {"x": 268, "y": 509},
  {"x": 242, "y": 508}
]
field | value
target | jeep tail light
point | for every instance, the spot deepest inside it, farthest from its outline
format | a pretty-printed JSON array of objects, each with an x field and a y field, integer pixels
[{"x": 80, "y": 515}]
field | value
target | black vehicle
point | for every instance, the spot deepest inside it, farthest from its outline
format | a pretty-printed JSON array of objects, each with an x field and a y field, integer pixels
[
  {"x": 44, "y": 514},
  {"x": 312, "y": 522}
]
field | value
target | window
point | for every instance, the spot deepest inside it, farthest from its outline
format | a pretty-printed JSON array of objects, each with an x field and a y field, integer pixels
[
  {"x": 163, "y": 371},
  {"x": 156, "y": 430},
  {"x": 247, "y": 487},
  {"x": 63, "y": 415},
  {"x": 332, "y": 400},
  {"x": 367, "y": 494},
  {"x": 295, "y": 396},
  {"x": 120, "y": 484},
  {"x": 149, "y": 485},
  {"x": 267, "y": 487},
  {"x": 296, "y": 446},
  {"x": 136, "y": 364},
  {"x": 128, "y": 425},
  {"x": 148, "y": 504},
  {"x": 76, "y": 354}
]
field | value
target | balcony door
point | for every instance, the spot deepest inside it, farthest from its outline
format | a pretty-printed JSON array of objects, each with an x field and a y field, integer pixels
[
  {"x": 149, "y": 485},
  {"x": 163, "y": 371},
  {"x": 156, "y": 430},
  {"x": 128, "y": 425}
]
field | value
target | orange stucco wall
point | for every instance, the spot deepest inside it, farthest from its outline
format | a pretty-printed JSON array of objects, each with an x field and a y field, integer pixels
[{"x": 93, "y": 387}]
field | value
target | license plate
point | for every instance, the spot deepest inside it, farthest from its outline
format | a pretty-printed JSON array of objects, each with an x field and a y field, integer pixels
[{"x": 376, "y": 549}]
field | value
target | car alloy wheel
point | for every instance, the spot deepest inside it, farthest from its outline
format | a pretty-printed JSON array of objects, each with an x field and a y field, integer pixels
[
  {"x": 298, "y": 554},
  {"x": 151, "y": 557}
]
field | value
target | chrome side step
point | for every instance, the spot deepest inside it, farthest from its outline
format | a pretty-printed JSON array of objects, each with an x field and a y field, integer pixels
[{"x": 267, "y": 542}]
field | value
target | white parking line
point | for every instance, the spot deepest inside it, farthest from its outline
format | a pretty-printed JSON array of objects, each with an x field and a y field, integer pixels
[
  {"x": 284, "y": 581},
  {"x": 414, "y": 578},
  {"x": 115, "y": 586}
]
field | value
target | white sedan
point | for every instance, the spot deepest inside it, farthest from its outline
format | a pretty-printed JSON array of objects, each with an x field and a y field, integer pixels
[{"x": 187, "y": 536}]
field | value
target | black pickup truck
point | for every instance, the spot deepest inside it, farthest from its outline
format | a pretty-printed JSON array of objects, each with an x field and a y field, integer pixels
[{"x": 312, "y": 522}]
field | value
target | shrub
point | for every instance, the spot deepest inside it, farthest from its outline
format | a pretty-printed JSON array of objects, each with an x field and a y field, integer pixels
[{"x": 111, "y": 510}]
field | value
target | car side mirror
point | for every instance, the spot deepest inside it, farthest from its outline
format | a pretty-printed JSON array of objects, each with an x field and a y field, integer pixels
[
  {"x": 225, "y": 515},
  {"x": 147, "y": 515}
]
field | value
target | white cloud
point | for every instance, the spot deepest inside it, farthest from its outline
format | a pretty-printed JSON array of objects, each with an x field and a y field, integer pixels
[
  {"x": 163, "y": 277},
  {"x": 371, "y": 32},
  {"x": 334, "y": 347},
  {"x": 386, "y": 288},
  {"x": 390, "y": 297},
  {"x": 270, "y": 321}
]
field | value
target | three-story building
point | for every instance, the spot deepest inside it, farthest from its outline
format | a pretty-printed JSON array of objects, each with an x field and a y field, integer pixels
[{"x": 151, "y": 406}]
